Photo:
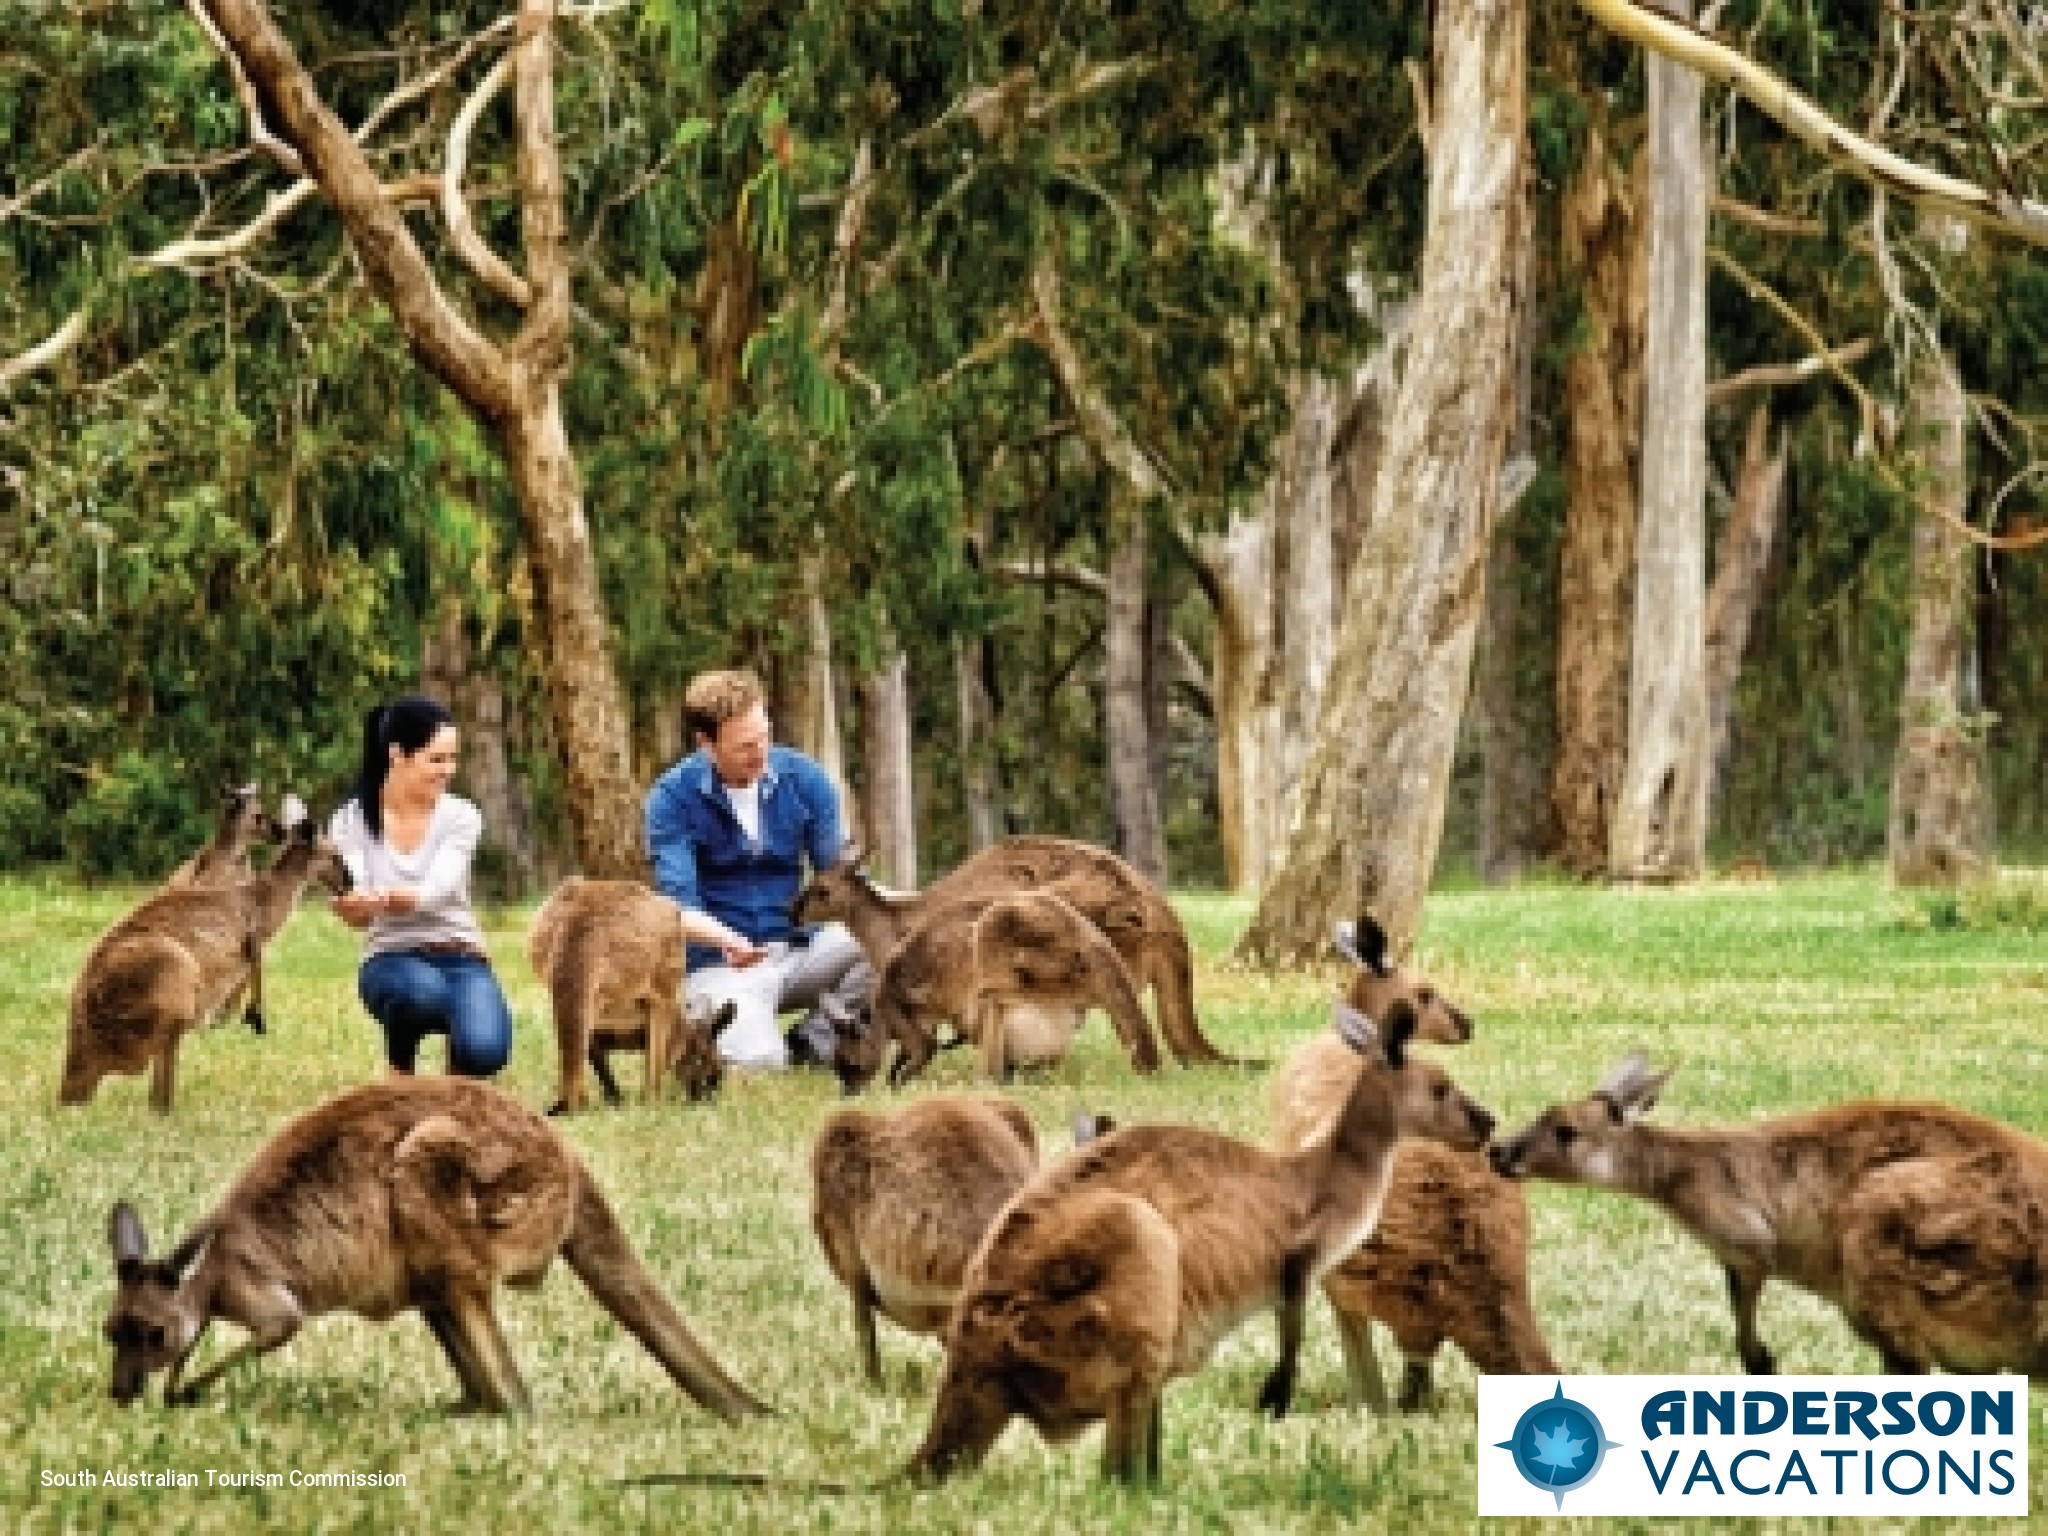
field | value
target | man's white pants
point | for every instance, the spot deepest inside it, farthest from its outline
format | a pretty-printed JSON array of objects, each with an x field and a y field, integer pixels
[{"x": 829, "y": 976}]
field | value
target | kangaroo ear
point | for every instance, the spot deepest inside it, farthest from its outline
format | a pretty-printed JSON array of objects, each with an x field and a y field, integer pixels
[
  {"x": 1401, "y": 1024},
  {"x": 1344, "y": 939},
  {"x": 1090, "y": 1125},
  {"x": 1358, "y": 1031},
  {"x": 186, "y": 1256},
  {"x": 292, "y": 814},
  {"x": 1371, "y": 941},
  {"x": 125, "y": 1236},
  {"x": 851, "y": 854}
]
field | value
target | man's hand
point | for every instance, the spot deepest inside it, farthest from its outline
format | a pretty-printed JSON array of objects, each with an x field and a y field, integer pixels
[{"x": 741, "y": 953}]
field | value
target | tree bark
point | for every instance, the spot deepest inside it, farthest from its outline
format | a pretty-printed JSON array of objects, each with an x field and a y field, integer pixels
[
  {"x": 1605, "y": 254},
  {"x": 1742, "y": 556},
  {"x": 1659, "y": 825},
  {"x": 1134, "y": 806},
  {"x": 891, "y": 804},
  {"x": 1371, "y": 811},
  {"x": 514, "y": 390},
  {"x": 1935, "y": 833},
  {"x": 977, "y": 742},
  {"x": 813, "y": 725}
]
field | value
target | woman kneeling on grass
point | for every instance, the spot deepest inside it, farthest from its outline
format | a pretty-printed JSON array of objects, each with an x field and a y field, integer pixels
[{"x": 408, "y": 844}]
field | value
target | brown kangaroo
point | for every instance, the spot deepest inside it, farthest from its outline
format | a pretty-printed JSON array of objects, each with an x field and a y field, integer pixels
[
  {"x": 169, "y": 964},
  {"x": 1124, "y": 1265},
  {"x": 1378, "y": 982},
  {"x": 1449, "y": 1258},
  {"x": 1131, "y": 913},
  {"x": 901, "y": 1201},
  {"x": 611, "y": 954},
  {"x": 1927, "y": 1226},
  {"x": 414, "y": 1192},
  {"x": 243, "y": 824}
]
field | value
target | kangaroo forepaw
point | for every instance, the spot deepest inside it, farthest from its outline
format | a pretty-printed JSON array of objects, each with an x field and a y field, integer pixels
[
  {"x": 253, "y": 1017},
  {"x": 559, "y": 1108}
]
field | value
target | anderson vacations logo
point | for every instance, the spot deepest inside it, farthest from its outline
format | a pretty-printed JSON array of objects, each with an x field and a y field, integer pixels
[{"x": 1753, "y": 1445}]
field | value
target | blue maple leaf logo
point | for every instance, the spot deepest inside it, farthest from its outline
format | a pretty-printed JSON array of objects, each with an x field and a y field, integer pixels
[{"x": 1558, "y": 1449}]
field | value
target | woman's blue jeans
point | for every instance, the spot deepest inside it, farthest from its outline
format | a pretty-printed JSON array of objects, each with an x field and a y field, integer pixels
[{"x": 415, "y": 993}]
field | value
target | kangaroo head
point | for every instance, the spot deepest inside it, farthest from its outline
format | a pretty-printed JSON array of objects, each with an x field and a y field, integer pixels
[
  {"x": 860, "y": 1046},
  {"x": 309, "y": 853},
  {"x": 834, "y": 895},
  {"x": 1577, "y": 1143},
  {"x": 157, "y": 1312},
  {"x": 1380, "y": 983},
  {"x": 244, "y": 821},
  {"x": 695, "y": 1062},
  {"x": 1426, "y": 1102}
]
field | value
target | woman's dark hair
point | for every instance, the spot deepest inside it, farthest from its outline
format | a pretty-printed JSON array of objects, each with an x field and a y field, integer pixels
[{"x": 407, "y": 724}]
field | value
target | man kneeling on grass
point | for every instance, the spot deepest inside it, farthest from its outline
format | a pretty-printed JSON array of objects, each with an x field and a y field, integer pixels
[{"x": 729, "y": 828}]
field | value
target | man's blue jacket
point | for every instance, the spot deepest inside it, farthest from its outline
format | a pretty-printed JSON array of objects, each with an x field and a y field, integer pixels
[{"x": 703, "y": 860}]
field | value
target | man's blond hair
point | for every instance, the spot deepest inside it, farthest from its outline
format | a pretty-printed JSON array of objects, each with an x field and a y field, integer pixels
[{"x": 716, "y": 697}]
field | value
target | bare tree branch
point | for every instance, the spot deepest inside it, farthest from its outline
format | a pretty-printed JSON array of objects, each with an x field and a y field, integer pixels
[
  {"x": 489, "y": 267},
  {"x": 259, "y": 131},
  {"x": 544, "y": 338},
  {"x": 1760, "y": 218},
  {"x": 1778, "y": 375},
  {"x": 45, "y": 352},
  {"x": 2026, "y": 218},
  {"x": 1119, "y": 450}
]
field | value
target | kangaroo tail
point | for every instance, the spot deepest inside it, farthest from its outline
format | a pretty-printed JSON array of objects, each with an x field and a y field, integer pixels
[
  {"x": 605, "y": 1262},
  {"x": 1169, "y": 967}
]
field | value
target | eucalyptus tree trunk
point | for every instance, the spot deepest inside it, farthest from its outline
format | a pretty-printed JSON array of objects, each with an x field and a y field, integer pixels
[
  {"x": 1742, "y": 556},
  {"x": 1937, "y": 822},
  {"x": 1605, "y": 253},
  {"x": 889, "y": 801},
  {"x": 977, "y": 742},
  {"x": 513, "y": 388},
  {"x": 1371, "y": 808},
  {"x": 1272, "y": 579},
  {"x": 1659, "y": 825},
  {"x": 1128, "y": 680},
  {"x": 813, "y": 725}
]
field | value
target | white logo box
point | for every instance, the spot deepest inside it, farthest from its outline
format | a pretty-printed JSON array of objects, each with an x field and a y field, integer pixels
[{"x": 1765, "y": 1445}]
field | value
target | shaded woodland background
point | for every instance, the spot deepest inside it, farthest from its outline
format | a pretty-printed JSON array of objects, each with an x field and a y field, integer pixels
[{"x": 1010, "y": 385}]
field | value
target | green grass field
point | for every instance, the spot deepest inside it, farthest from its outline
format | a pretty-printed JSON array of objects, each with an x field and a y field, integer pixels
[{"x": 1774, "y": 998}]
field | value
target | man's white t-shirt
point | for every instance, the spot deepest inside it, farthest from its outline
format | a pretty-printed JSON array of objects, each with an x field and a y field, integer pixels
[{"x": 746, "y": 805}]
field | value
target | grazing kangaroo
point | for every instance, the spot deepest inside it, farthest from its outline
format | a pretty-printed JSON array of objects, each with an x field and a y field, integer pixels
[
  {"x": 900, "y": 1202},
  {"x": 242, "y": 825},
  {"x": 1927, "y": 1226},
  {"x": 414, "y": 1192},
  {"x": 1125, "y": 1264},
  {"x": 1449, "y": 1257},
  {"x": 612, "y": 955},
  {"x": 1038, "y": 964},
  {"x": 1130, "y": 912},
  {"x": 170, "y": 963}
]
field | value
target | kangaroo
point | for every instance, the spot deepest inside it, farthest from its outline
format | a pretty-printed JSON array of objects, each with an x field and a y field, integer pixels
[
  {"x": 1123, "y": 1265},
  {"x": 1924, "y": 1224},
  {"x": 413, "y": 1192},
  {"x": 167, "y": 965},
  {"x": 972, "y": 962},
  {"x": 1038, "y": 964},
  {"x": 1378, "y": 982},
  {"x": 611, "y": 954},
  {"x": 1131, "y": 913},
  {"x": 243, "y": 824},
  {"x": 1449, "y": 1258},
  {"x": 900, "y": 1202}
]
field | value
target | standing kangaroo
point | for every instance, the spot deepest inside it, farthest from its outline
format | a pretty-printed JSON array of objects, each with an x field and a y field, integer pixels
[
  {"x": 243, "y": 824},
  {"x": 1449, "y": 1257},
  {"x": 415, "y": 1192},
  {"x": 170, "y": 963},
  {"x": 612, "y": 954},
  {"x": 1124, "y": 1265},
  {"x": 1927, "y": 1226}
]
